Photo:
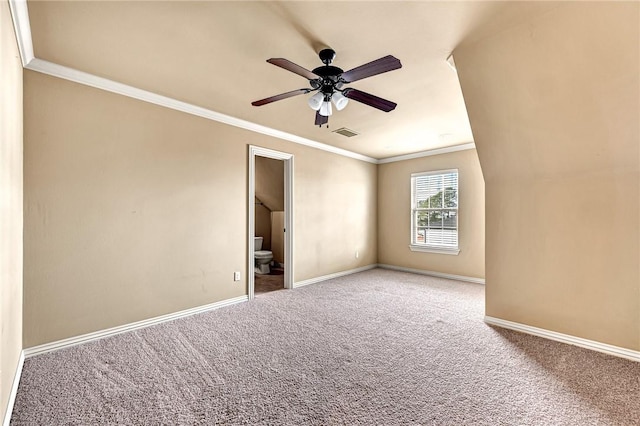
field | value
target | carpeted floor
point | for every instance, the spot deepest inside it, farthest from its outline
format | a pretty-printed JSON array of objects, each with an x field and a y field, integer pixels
[{"x": 375, "y": 348}]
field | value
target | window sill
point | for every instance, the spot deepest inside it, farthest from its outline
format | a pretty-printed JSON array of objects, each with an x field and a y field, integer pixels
[{"x": 431, "y": 249}]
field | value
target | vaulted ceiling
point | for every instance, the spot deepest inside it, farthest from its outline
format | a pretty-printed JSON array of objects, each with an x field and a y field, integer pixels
[{"x": 213, "y": 55}]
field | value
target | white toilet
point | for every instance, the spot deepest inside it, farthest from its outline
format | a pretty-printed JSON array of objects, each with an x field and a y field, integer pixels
[{"x": 263, "y": 257}]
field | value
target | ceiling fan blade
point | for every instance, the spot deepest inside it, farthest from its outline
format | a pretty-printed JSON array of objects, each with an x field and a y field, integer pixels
[
  {"x": 280, "y": 97},
  {"x": 379, "y": 66},
  {"x": 290, "y": 66},
  {"x": 368, "y": 99},
  {"x": 321, "y": 119}
]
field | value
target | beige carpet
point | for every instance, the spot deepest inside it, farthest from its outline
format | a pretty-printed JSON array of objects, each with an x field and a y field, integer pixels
[{"x": 374, "y": 348}]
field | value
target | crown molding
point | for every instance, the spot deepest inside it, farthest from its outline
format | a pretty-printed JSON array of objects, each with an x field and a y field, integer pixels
[
  {"x": 87, "y": 79},
  {"x": 20, "y": 16},
  {"x": 428, "y": 153}
]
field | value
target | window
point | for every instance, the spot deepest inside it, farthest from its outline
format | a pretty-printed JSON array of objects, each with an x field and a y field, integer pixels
[{"x": 434, "y": 211}]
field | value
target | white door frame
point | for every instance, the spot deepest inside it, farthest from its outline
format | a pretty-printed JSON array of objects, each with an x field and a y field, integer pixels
[{"x": 288, "y": 214}]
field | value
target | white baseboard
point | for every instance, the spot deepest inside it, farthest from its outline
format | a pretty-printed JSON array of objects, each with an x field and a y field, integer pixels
[
  {"x": 433, "y": 273},
  {"x": 14, "y": 390},
  {"x": 565, "y": 338},
  {"x": 73, "y": 341},
  {"x": 331, "y": 276}
]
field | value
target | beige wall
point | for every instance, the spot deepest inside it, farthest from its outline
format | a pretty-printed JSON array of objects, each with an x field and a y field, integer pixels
[
  {"x": 554, "y": 107},
  {"x": 336, "y": 200},
  {"x": 10, "y": 206},
  {"x": 134, "y": 211},
  {"x": 394, "y": 215}
]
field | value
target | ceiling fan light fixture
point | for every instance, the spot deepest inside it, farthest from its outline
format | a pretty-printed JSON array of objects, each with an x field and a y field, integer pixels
[
  {"x": 327, "y": 81},
  {"x": 315, "y": 102},
  {"x": 339, "y": 100},
  {"x": 325, "y": 109}
]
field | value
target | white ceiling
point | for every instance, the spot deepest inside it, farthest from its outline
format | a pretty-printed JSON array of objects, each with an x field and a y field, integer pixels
[{"x": 213, "y": 55}]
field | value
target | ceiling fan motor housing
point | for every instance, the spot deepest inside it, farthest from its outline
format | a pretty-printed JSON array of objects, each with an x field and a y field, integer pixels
[
  {"x": 327, "y": 56},
  {"x": 329, "y": 75}
]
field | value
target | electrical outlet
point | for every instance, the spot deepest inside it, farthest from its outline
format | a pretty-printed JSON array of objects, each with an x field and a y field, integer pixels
[
  {"x": 236, "y": 276},
  {"x": 357, "y": 254}
]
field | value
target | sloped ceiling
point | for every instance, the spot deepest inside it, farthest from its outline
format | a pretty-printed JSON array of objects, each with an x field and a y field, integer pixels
[
  {"x": 269, "y": 185},
  {"x": 213, "y": 55}
]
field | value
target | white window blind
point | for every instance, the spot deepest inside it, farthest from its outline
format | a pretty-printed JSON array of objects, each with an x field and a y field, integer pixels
[{"x": 434, "y": 210}]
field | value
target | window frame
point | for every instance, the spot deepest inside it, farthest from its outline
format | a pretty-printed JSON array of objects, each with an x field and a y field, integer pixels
[{"x": 429, "y": 248}]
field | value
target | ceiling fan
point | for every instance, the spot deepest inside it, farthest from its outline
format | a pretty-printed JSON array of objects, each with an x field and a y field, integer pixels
[{"x": 327, "y": 81}]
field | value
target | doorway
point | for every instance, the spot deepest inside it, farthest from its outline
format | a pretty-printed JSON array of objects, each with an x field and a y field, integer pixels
[{"x": 286, "y": 221}]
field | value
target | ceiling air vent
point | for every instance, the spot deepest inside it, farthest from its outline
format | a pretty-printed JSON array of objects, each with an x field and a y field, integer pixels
[{"x": 346, "y": 132}]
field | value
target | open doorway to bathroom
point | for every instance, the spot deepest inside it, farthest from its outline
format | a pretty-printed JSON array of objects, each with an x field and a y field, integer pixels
[
  {"x": 270, "y": 265},
  {"x": 269, "y": 225}
]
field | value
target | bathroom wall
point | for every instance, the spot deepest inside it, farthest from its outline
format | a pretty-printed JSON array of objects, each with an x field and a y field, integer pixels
[
  {"x": 262, "y": 224},
  {"x": 277, "y": 236},
  {"x": 554, "y": 105},
  {"x": 394, "y": 201},
  {"x": 133, "y": 210},
  {"x": 269, "y": 189},
  {"x": 269, "y": 185}
]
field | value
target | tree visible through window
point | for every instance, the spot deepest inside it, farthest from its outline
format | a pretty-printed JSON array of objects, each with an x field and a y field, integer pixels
[{"x": 434, "y": 209}]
